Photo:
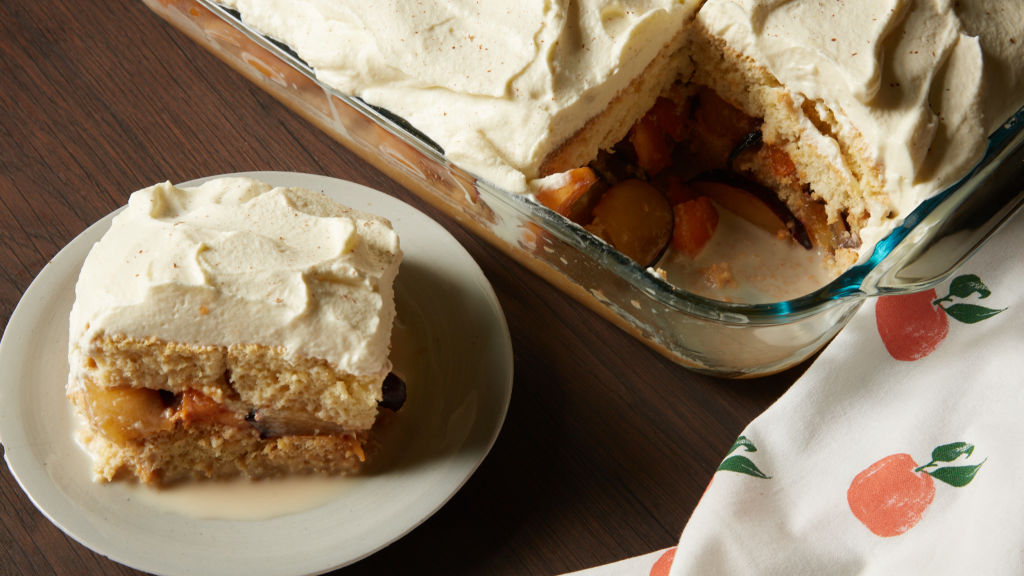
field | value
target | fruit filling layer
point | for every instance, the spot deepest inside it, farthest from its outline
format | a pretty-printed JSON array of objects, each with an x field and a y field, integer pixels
[
  {"x": 692, "y": 163},
  {"x": 126, "y": 415}
]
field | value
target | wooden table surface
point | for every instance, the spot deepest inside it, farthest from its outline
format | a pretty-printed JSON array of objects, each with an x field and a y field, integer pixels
[{"x": 607, "y": 446}]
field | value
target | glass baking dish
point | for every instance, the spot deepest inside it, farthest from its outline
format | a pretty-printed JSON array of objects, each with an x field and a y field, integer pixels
[{"x": 710, "y": 336}]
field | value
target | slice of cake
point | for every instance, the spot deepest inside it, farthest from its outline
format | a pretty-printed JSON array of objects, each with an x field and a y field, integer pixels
[
  {"x": 232, "y": 329},
  {"x": 825, "y": 122}
]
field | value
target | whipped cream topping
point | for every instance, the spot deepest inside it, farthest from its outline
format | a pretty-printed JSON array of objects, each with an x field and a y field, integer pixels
[
  {"x": 924, "y": 82},
  {"x": 918, "y": 84},
  {"x": 235, "y": 261},
  {"x": 498, "y": 85}
]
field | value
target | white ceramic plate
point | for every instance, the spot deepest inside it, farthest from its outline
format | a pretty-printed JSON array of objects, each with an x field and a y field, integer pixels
[{"x": 451, "y": 341}]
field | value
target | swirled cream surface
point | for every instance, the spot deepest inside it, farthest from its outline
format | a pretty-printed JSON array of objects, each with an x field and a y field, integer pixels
[
  {"x": 498, "y": 85},
  {"x": 924, "y": 82},
  {"x": 238, "y": 261}
]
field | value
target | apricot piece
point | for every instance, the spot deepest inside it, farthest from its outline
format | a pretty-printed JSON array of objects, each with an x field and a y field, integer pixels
[
  {"x": 695, "y": 224},
  {"x": 717, "y": 117},
  {"x": 677, "y": 190},
  {"x": 670, "y": 116},
  {"x": 781, "y": 164},
  {"x": 198, "y": 408},
  {"x": 721, "y": 126},
  {"x": 652, "y": 145},
  {"x": 635, "y": 218},
  {"x": 814, "y": 220},
  {"x": 573, "y": 196},
  {"x": 126, "y": 414}
]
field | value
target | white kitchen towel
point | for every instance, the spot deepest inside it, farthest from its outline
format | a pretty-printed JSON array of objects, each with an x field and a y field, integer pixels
[{"x": 899, "y": 451}]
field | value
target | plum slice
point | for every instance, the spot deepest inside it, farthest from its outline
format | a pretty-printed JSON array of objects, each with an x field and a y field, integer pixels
[
  {"x": 279, "y": 423},
  {"x": 751, "y": 201},
  {"x": 392, "y": 392},
  {"x": 635, "y": 218}
]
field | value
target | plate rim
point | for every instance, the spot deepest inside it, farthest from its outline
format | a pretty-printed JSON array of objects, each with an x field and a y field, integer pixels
[{"x": 28, "y": 471}]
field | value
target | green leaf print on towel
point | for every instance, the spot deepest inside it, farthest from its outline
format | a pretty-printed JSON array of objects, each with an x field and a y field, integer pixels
[
  {"x": 740, "y": 463},
  {"x": 966, "y": 286}
]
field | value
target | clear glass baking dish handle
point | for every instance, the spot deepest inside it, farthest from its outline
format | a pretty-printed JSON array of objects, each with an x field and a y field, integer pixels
[{"x": 942, "y": 233}]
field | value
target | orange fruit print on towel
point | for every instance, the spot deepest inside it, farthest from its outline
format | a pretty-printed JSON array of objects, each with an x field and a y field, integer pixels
[
  {"x": 912, "y": 325},
  {"x": 663, "y": 564},
  {"x": 890, "y": 496}
]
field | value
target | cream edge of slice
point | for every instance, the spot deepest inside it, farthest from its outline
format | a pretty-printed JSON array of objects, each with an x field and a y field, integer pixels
[{"x": 237, "y": 261}]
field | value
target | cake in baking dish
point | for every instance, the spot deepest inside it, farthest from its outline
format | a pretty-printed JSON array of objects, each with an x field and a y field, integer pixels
[
  {"x": 825, "y": 123},
  {"x": 508, "y": 89},
  {"x": 862, "y": 109},
  {"x": 232, "y": 329}
]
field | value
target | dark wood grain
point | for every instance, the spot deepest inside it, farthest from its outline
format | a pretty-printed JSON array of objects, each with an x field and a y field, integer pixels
[{"x": 607, "y": 446}]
